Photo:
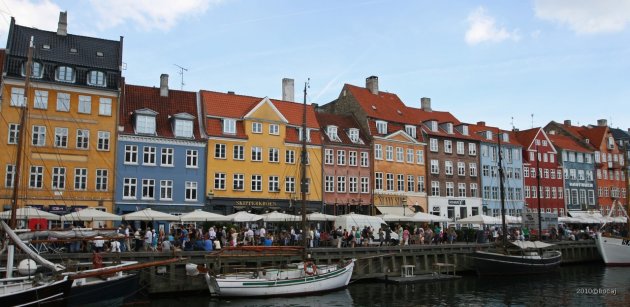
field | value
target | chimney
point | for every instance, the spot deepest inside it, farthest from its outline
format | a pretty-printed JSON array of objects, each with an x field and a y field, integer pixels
[
  {"x": 288, "y": 89},
  {"x": 62, "y": 26},
  {"x": 371, "y": 83},
  {"x": 567, "y": 122},
  {"x": 425, "y": 104},
  {"x": 602, "y": 122},
  {"x": 482, "y": 124},
  {"x": 164, "y": 85}
]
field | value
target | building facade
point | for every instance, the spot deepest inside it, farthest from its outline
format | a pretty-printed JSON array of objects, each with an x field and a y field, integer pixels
[
  {"x": 69, "y": 146},
  {"x": 161, "y": 161}
]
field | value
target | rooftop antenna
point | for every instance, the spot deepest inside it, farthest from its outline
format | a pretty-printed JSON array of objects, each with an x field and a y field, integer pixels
[
  {"x": 512, "y": 123},
  {"x": 532, "y": 120},
  {"x": 181, "y": 73}
]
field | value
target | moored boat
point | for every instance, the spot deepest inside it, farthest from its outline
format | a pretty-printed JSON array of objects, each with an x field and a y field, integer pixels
[
  {"x": 523, "y": 258},
  {"x": 615, "y": 249}
]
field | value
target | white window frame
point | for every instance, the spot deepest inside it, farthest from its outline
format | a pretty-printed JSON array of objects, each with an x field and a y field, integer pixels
[
  {"x": 191, "y": 191},
  {"x": 14, "y": 133},
  {"x": 38, "y": 135},
  {"x": 238, "y": 152},
  {"x": 257, "y": 127},
  {"x": 83, "y": 139},
  {"x": 102, "y": 180},
  {"x": 85, "y": 104},
  {"x": 105, "y": 106},
  {"x": 41, "y": 100},
  {"x": 229, "y": 126},
  {"x": 80, "y": 179},
  {"x": 63, "y": 102},
  {"x": 192, "y": 158},
  {"x": 167, "y": 157},
  {"x": 166, "y": 189},
  {"x": 61, "y": 137},
  {"x": 365, "y": 159},
  {"x": 131, "y": 154},
  {"x": 149, "y": 155},
  {"x": 17, "y": 97},
  {"x": 130, "y": 188},
  {"x": 103, "y": 140},
  {"x": 274, "y": 129},
  {"x": 148, "y": 188}
]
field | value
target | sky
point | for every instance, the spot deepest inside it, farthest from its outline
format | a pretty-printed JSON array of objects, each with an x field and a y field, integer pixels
[{"x": 509, "y": 63}]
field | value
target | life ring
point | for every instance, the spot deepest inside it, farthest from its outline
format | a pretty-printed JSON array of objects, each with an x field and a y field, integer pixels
[{"x": 310, "y": 268}]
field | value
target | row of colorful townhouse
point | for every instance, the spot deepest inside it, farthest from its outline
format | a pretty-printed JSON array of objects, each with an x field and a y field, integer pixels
[{"x": 95, "y": 141}]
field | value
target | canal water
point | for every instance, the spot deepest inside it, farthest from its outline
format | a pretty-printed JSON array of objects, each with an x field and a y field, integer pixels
[{"x": 575, "y": 285}]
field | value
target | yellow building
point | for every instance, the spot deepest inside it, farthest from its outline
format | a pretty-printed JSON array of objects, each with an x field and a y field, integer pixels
[
  {"x": 72, "y": 101},
  {"x": 254, "y": 148}
]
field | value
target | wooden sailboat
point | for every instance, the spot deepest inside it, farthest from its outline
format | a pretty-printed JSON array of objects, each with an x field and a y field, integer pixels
[
  {"x": 519, "y": 257},
  {"x": 297, "y": 279}
]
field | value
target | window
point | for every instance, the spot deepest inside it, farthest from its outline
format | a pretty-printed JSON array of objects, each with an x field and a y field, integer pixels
[
  {"x": 148, "y": 155},
  {"x": 64, "y": 74},
  {"x": 9, "y": 176},
  {"x": 381, "y": 127},
  {"x": 102, "y": 178},
  {"x": 36, "y": 177},
  {"x": 145, "y": 124},
  {"x": 473, "y": 190},
  {"x": 38, "y": 137},
  {"x": 59, "y": 178},
  {"x": 131, "y": 154},
  {"x": 378, "y": 152},
  {"x": 166, "y": 158},
  {"x": 433, "y": 143},
  {"x": 191, "y": 190},
  {"x": 353, "y": 133},
  {"x": 219, "y": 181},
  {"x": 435, "y": 188},
  {"x": 448, "y": 146},
  {"x": 83, "y": 138},
  {"x": 421, "y": 184},
  {"x": 448, "y": 167},
  {"x": 274, "y": 155},
  {"x": 308, "y": 134},
  {"x": 517, "y": 173},
  {"x": 85, "y": 104},
  {"x": 80, "y": 179},
  {"x": 274, "y": 129},
  {"x": 103, "y": 141},
  {"x": 256, "y": 127},
  {"x": 61, "y": 137},
  {"x": 495, "y": 193},
  {"x": 378, "y": 181},
  {"x": 353, "y": 184},
  {"x": 473, "y": 169},
  {"x": 289, "y": 156},
  {"x": 365, "y": 185},
  {"x": 148, "y": 188},
  {"x": 17, "y": 97},
  {"x": 183, "y": 128},
  {"x": 365, "y": 162},
  {"x": 41, "y": 100},
  {"x": 389, "y": 153},
  {"x": 329, "y": 184},
  {"x": 461, "y": 169},
  {"x": 238, "y": 152},
  {"x": 461, "y": 190},
  {"x": 460, "y": 148},
  {"x": 166, "y": 189},
  {"x": 219, "y": 151},
  {"x": 289, "y": 184},
  {"x": 192, "y": 158},
  {"x": 238, "y": 182},
  {"x": 229, "y": 126},
  {"x": 400, "y": 154},
  {"x": 274, "y": 184},
  {"x": 400, "y": 182},
  {"x": 352, "y": 158},
  {"x": 256, "y": 183},
  {"x": 129, "y": 188},
  {"x": 256, "y": 153},
  {"x": 14, "y": 133},
  {"x": 411, "y": 183},
  {"x": 341, "y": 157},
  {"x": 105, "y": 106},
  {"x": 435, "y": 167},
  {"x": 411, "y": 130},
  {"x": 409, "y": 155},
  {"x": 331, "y": 131},
  {"x": 341, "y": 184},
  {"x": 420, "y": 156},
  {"x": 96, "y": 78},
  {"x": 307, "y": 185},
  {"x": 37, "y": 70},
  {"x": 472, "y": 149},
  {"x": 389, "y": 181}
]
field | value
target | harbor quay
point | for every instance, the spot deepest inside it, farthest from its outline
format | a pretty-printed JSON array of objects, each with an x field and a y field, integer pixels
[{"x": 372, "y": 262}]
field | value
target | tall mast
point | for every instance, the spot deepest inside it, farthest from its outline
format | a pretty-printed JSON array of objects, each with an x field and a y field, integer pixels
[
  {"x": 501, "y": 191},
  {"x": 303, "y": 180},
  {"x": 21, "y": 136},
  {"x": 539, "y": 174}
]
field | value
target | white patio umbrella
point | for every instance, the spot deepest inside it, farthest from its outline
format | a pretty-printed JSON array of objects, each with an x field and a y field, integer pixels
[
  {"x": 149, "y": 215},
  {"x": 394, "y": 218},
  {"x": 243, "y": 217},
  {"x": 202, "y": 216},
  {"x": 428, "y": 218},
  {"x": 276, "y": 216},
  {"x": 29, "y": 213},
  {"x": 359, "y": 220},
  {"x": 90, "y": 214},
  {"x": 510, "y": 219},
  {"x": 320, "y": 217},
  {"x": 480, "y": 219}
]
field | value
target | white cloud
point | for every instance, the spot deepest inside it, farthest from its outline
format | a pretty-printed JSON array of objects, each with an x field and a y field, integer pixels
[
  {"x": 148, "y": 14},
  {"x": 39, "y": 14},
  {"x": 482, "y": 28},
  {"x": 586, "y": 16}
]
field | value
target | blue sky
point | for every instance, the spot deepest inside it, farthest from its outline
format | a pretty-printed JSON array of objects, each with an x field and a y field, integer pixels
[{"x": 494, "y": 61}]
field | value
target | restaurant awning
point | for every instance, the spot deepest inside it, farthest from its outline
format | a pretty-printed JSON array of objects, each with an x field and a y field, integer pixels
[{"x": 401, "y": 211}]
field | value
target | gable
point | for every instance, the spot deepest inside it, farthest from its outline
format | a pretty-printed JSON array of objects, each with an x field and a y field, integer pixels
[
  {"x": 266, "y": 110},
  {"x": 400, "y": 136}
]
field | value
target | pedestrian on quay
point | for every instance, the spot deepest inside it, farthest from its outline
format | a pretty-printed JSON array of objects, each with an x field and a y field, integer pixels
[{"x": 148, "y": 239}]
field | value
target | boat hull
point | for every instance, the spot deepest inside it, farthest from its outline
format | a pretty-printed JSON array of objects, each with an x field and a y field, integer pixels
[
  {"x": 489, "y": 263},
  {"x": 52, "y": 294},
  {"x": 260, "y": 287},
  {"x": 103, "y": 292},
  {"x": 614, "y": 251}
]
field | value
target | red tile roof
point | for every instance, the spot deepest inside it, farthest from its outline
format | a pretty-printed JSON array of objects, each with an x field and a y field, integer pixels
[
  {"x": 479, "y": 129},
  {"x": 595, "y": 134},
  {"x": 526, "y": 137},
  {"x": 135, "y": 97},
  {"x": 567, "y": 143},
  {"x": 384, "y": 106},
  {"x": 343, "y": 123}
]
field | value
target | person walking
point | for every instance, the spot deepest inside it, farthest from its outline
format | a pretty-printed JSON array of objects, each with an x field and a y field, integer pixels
[{"x": 148, "y": 239}]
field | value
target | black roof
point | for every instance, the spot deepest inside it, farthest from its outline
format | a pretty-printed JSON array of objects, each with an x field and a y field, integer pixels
[{"x": 619, "y": 134}]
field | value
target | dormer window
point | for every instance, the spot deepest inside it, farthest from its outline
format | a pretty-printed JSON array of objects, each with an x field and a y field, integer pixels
[
  {"x": 353, "y": 134},
  {"x": 183, "y": 128},
  {"x": 37, "y": 70},
  {"x": 65, "y": 74},
  {"x": 505, "y": 137},
  {"x": 464, "y": 129},
  {"x": 449, "y": 128},
  {"x": 229, "y": 126},
  {"x": 145, "y": 124},
  {"x": 96, "y": 78},
  {"x": 331, "y": 131},
  {"x": 381, "y": 127},
  {"x": 433, "y": 125},
  {"x": 611, "y": 143},
  {"x": 308, "y": 134},
  {"x": 488, "y": 135},
  {"x": 411, "y": 130}
]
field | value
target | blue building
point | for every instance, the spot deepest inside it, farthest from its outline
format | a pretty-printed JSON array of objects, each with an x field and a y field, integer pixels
[
  {"x": 489, "y": 168},
  {"x": 161, "y": 152}
]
